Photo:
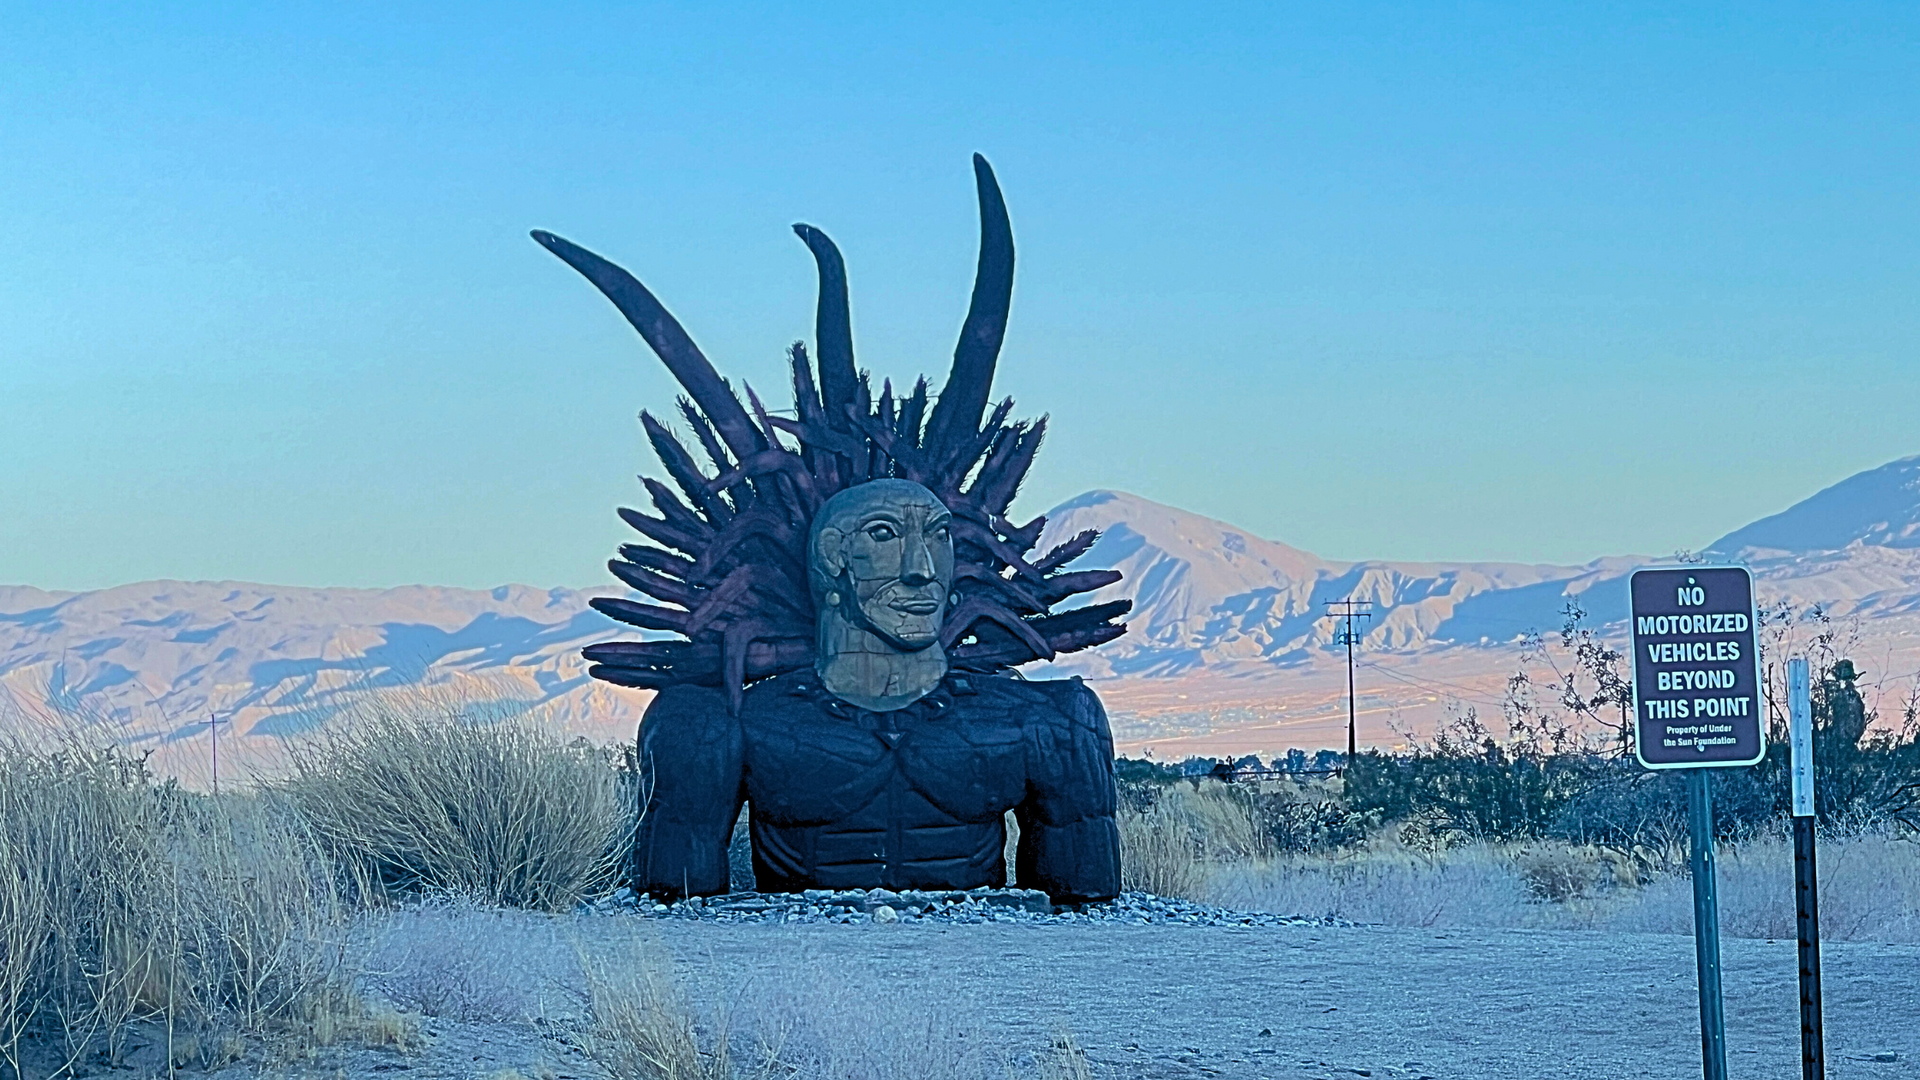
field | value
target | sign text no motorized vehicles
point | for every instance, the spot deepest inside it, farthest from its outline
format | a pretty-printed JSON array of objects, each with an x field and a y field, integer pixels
[{"x": 1696, "y": 674}]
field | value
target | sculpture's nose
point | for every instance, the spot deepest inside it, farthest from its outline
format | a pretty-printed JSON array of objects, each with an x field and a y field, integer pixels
[{"x": 917, "y": 568}]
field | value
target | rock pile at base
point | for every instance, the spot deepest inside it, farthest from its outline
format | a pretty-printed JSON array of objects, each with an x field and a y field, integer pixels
[{"x": 912, "y": 906}]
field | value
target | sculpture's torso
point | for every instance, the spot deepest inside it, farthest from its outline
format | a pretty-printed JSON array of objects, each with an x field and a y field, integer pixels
[
  {"x": 915, "y": 797},
  {"x": 912, "y": 798}
]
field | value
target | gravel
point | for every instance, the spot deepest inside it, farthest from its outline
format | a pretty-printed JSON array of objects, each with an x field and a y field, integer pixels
[{"x": 955, "y": 906}]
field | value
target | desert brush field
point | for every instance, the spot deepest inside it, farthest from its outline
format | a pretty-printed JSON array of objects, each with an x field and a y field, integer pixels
[{"x": 416, "y": 892}]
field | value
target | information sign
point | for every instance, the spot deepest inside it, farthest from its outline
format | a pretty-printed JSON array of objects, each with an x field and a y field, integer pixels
[{"x": 1696, "y": 672}]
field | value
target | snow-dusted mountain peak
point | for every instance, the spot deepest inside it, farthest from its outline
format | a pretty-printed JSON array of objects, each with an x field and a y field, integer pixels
[{"x": 1876, "y": 508}]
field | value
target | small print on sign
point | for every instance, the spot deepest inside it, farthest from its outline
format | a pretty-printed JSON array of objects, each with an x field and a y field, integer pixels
[{"x": 1696, "y": 674}]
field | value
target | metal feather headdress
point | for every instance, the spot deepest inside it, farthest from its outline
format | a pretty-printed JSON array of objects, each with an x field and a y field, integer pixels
[{"x": 728, "y": 552}]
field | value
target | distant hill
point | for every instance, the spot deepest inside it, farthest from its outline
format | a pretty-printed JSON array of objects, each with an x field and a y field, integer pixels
[
  {"x": 149, "y": 663},
  {"x": 1876, "y": 508},
  {"x": 1207, "y": 592}
]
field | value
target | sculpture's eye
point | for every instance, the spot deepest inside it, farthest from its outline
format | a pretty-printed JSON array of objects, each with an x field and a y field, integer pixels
[
  {"x": 942, "y": 533},
  {"x": 881, "y": 533}
]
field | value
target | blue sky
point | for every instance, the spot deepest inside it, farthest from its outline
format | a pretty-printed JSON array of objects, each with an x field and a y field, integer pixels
[{"x": 1420, "y": 282}]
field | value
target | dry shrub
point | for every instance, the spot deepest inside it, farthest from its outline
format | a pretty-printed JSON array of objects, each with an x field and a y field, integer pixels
[
  {"x": 1869, "y": 891},
  {"x": 1174, "y": 838},
  {"x": 127, "y": 902},
  {"x": 422, "y": 796},
  {"x": 23, "y": 922},
  {"x": 1869, "y": 888},
  {"x": 1558, "y": 874},
  {"x": 1472, "y": 885},
  {"x": 641, "y": 1028},
  {"x": 1064, "y": 1059},
  {"x": 1157, "y": 855}
]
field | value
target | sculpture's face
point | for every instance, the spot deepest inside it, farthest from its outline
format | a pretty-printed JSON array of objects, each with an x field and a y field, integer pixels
[{"x": 881, "y": 555}]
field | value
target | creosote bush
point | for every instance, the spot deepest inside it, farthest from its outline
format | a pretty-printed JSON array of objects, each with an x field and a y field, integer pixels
[{"x": 423, "y": 797}]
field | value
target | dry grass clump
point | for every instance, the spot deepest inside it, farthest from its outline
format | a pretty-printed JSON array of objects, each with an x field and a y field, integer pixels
[
  {"x": 1474, "y": 885},
  {"x": 1559, "y": 873},
  {"x": 451, "y": 958},
  {"x": 1174, "y": 844},
  {"x": 1869, "y": 891},
  {"x": 422, "y": 796},
  {"x": 1869, "y": 888},
  {"x": 640, "y": 1028},
  {"x": 127, "y": 903},
  {"x": 1213, "y": 843}
]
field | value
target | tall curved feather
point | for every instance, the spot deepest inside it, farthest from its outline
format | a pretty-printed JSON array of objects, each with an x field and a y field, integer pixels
[
  {"x": 956, "y": 415},
  {"x": 832, "y": 326},
  {"x": 667, "y": 337}
]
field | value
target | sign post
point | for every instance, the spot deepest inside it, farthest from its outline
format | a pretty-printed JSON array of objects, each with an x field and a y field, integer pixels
[
  {"x": 1696, "y": 705},
  {"x": 1806, "y": 888}
]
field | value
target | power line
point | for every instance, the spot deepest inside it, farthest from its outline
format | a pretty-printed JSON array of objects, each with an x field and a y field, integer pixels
[
  {"x": 1452, "y": 690},
  {"x": 1349, "y": 610}
]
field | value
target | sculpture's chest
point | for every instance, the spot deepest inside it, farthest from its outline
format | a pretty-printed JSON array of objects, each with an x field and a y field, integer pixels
[{"x": 808, "y": 765}]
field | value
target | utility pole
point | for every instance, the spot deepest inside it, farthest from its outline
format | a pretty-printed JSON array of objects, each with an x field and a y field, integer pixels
[{"x": 1349, "y": 610}]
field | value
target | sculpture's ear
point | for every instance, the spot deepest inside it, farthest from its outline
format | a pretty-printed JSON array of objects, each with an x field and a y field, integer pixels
[{"x": 830, "y": 547}]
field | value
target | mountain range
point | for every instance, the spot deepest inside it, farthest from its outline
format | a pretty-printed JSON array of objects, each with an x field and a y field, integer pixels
[
  {"x": 1228, "y": 634},
  {"x": 1209, "y": 595}
]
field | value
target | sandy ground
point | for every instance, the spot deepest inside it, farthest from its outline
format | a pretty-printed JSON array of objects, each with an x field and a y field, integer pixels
[
  {"x": 1291, "y": 1003},
  {"x": 1177, "y": 1002}
]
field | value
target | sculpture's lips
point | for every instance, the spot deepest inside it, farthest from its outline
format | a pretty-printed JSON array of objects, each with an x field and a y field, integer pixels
[{"x": 917, "y": 606}]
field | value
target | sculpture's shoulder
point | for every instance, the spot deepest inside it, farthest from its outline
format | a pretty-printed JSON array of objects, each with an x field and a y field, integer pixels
[
  {"x": 1069, "y": 745},
  {"x": 686, "y": 699},
  {"x": 686, "y": 711},
  {"x": 688, "y": 737},
  {"x": 1056, "y": 703}
]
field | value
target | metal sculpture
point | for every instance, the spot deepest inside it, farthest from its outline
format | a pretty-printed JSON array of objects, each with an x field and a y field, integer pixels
[{"x": 877, "y": 738}]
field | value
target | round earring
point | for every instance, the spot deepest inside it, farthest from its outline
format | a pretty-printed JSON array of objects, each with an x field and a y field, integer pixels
[{"x": 833, "y": 599}]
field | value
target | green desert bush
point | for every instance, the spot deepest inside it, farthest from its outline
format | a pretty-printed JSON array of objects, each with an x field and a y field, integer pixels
[
  {"x": 128, "y": 903},
  {"x": 422, "y": 796}
]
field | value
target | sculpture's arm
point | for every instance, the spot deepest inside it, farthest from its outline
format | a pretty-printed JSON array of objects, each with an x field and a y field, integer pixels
[
  {"x": 1069, "y": 838},
  {"x": 692, "y": 781}
]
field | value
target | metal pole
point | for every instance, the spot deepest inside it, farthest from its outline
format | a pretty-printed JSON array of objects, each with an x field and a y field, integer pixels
[
  {"x": 1706, "y": 925},
  {"x": 1806, "y": 889},
  {"x": 1813, "y": 1065}
]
